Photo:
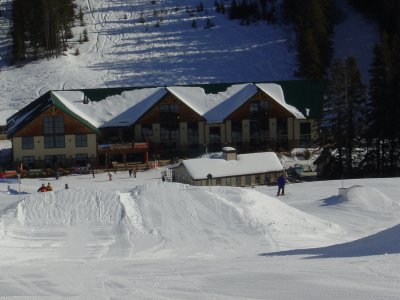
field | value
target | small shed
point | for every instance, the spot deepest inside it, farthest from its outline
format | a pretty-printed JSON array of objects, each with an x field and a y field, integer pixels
[{"x": 230, "y": 169}]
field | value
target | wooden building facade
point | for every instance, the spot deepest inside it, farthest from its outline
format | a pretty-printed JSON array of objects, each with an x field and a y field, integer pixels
[{"x": 52, "y": 131}]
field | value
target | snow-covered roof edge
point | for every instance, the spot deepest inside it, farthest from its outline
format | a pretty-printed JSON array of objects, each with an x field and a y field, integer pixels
[{"x": 276, "y": 93}]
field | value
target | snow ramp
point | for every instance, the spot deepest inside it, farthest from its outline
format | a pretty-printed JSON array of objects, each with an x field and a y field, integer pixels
[
  {"x": 75, "y": 223},
  {"x": 156, "y": 221}
]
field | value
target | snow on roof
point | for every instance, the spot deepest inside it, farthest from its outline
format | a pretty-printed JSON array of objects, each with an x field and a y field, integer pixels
[
  {"x": 235, "y": 96},
  {"x": 214, "y": 107},
  {"x": 275, "y": 92},
  {"x": 5, "y": 114},
  {"x": 252, "y": 163},
  {"x": 113, "y": 111},
  {"x": 228, "y": 149}
]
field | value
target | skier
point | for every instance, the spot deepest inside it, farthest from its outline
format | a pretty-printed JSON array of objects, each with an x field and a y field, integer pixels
[
  {"x": 281, "y": 184},
  {"x": 66, "y": 186},
  {"x": 130, "y": 172},
  {"x": 109, "y": 176}
]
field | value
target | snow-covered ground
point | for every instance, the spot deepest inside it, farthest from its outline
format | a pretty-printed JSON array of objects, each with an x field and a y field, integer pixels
[
  {"x": 140, "y": 238},
  {"x": 122, "y": 51}
]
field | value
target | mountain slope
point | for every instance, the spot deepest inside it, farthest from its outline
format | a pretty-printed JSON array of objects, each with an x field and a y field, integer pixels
[{"x": 122, "y": 51}]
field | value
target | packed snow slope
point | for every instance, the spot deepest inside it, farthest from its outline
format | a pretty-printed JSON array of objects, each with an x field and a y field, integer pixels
[
  {"x": 141, "y": 238},
  {"x": 157, "y": 220},
  {"x": 123, "y": 51}
]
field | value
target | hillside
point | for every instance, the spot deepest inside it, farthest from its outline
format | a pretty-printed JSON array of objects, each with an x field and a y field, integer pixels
[{"x": 122, "y": 51}]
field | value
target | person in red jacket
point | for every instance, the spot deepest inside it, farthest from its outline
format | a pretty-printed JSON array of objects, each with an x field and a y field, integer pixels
[{"x": 42, "y": 188}]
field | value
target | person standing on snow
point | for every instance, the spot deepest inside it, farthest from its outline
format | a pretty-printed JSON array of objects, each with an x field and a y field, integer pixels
[
  {"x": 48, "y": 187},
  {"x": 281, "y": 184},
  {"x": 42, "y": 188}
]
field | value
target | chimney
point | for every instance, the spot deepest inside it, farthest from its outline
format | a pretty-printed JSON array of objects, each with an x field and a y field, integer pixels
[{"x": 229, "y": 153}]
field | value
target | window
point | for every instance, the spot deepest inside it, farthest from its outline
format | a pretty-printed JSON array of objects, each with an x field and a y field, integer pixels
[
  {"x": 81, "y": 159},
  {"x": 305, "y": 134},
  {"x": 258, "y": 106},
  {"x": 53, "y": 129},
  {"x": 169, "y": 108},
  {"x": 248, "y": 179},
  {"x": 147, "y": 130},
  {"x": 27, "y": 142},
  {"x": 53, "y": 125},
  {"x": 236, "y": 131},
  {"x": 54, "y": 160},
  {"x": 253, "y": 107},
  {"x": 28, "y": 161},
  {"x": 192, "y": 133},
  {"x": 238, "y": 181},
  {"x": 54, "y": 141},
  {"x": 81, "y": 140},
  {"x": 258, "y": 180},
  {"x": 215, "y": 135}
]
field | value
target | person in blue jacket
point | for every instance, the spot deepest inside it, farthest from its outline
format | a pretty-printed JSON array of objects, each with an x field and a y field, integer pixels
[{"x": 281, "y": 184}]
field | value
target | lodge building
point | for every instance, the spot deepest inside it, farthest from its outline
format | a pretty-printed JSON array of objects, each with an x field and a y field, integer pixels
[{"x": 102, "y": 126}]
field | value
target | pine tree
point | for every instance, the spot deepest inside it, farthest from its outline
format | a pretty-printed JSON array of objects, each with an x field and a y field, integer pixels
[{"x": 343, "y": 114}]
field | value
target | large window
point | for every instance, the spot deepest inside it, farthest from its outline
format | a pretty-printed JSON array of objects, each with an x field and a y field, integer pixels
[
  {"x": 82, "y": 159},
  {"x": 53, "y": 129},
  {"x": 215, "y": 135},
  {"x": 258, "y": 106},
  {"x": 305, "y": 134},
  {"x": 27, "y": 142},
  {"x": 282, "y": 133},
  {"x": 193, "y": 133},
  {"x": 54, "y": 161},
  {"x": 236, "y": 132},
  {"x": 147, "y": 130},
  {"x": 81, "y": 140},
  {"x": 28, "y": 161}
]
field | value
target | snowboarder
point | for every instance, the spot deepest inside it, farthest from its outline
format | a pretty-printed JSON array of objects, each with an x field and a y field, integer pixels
[
  {"x": 48, "y": 187},
  {"x": 42, "y": 188},
  {"x": 130, "y": 172},
  {"x": 134, "y": 173},
  {"x": 163, "y": 178},
  {"x": 66, "y": 186},
  {"x": 281, "y": 184},
  {"x": 93, "y": 173},
  {"x": 109, "y": 176}
]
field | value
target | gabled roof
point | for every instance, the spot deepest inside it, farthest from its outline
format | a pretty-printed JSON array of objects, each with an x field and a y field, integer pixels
[
  {"x": 118, "y": 110},
  {"x": 246, "y": 164},
  {"x": 121, "y": 107},
  {"x": 214, "y": 107},
  {"x": 276, "y": 93}
]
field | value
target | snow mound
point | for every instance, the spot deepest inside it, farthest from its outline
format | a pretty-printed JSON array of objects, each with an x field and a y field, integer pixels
[
  {"x": 156, "y": 221},
  {"x": 71, "y": 223},
  {"x": 223, "y": 218},
  {"x": 370, "y": 199}
]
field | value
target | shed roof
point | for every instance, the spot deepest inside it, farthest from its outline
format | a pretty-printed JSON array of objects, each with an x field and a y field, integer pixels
[{"x": 246, "y": 164}]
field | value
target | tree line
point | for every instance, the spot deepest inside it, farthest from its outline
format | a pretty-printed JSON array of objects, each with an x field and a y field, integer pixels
[
  {"x": 41, "y": 28},
  {"x": 360, "y": 128}
]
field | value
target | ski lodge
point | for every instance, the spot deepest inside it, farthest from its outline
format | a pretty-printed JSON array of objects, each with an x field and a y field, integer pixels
[{"x": 117, "y": 127}]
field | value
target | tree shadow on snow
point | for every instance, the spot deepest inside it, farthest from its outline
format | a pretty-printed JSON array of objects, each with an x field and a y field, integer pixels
[
  {"x": 333, "y": 200},
  {"x": 383, "y": 242}
]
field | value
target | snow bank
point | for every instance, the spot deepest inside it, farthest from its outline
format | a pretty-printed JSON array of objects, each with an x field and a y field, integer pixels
[{"x": 155, "y": 220}]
